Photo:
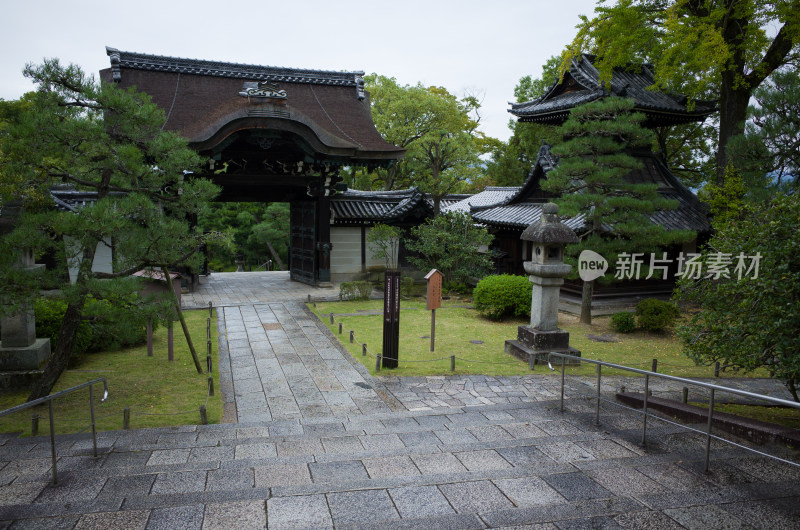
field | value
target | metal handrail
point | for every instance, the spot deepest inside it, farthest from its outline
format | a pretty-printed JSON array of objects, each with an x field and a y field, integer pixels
[
  {"x": 49, "y": 400},
  {"x": 647, "y": 374}
]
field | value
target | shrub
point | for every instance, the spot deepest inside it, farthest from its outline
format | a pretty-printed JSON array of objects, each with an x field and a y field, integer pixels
[
  {"x": 656, "y": 315},
  {"x": 49, "y": 314},
  {"x": 355, "y": 290},
  {"x": 114, "y": 327},
  {"x": 623, "y": 322},
  {"x": 407, "y": 286},
  {"x": 105, "y": 328},
  {"x": 500, "y": 296}
]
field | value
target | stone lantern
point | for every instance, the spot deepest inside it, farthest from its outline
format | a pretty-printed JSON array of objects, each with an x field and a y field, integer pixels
[
  {"x": 22, "y": 355},
  {"x": 544, "y": 241}
]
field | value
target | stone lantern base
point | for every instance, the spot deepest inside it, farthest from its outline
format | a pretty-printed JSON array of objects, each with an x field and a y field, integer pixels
[
  {"x": 22, "y": 355},
  {"x": 540, "y": 344}
]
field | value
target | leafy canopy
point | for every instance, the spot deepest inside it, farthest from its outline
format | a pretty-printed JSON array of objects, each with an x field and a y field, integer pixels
[
  {"x": 95, "y": 138},
  {"x": 438, "y": 131},
  {"x": 592, "y": 180},
  {"x": 715, "y": 49},
  {"x": 751, "y": 321},
  {"x": 451, "y": 243},
  {"x": 771, "y": 142}
]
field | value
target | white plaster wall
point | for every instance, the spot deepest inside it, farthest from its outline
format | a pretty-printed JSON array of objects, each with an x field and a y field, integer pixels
[
  {"x": 346, "y": 252},
  {"x": 103, "y": 258}
]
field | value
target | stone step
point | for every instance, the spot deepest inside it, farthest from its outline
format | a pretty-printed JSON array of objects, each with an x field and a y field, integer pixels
[
  {"x": 316, "y": 477},
  {"x": 361, "y": 435},
  {"x": 502, "y": 494}
]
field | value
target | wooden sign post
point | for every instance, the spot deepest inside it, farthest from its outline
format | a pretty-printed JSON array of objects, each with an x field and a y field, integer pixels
[
  {"x": 434, "y": 279},
  {"x": 391, "y": 319}
]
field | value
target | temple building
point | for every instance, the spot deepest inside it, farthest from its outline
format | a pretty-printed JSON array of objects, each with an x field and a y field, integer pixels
[
  {"x": 510, "y": 215},
  {"x": 268, "y": 134},
  {"x": 273, "y": 134}
]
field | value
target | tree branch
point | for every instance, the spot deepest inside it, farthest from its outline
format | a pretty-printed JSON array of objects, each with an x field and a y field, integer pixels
[{"x": 773, "y": 58}]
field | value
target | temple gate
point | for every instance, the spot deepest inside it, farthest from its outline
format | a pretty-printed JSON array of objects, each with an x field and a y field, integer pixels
[{"x": 268, "y": 134}]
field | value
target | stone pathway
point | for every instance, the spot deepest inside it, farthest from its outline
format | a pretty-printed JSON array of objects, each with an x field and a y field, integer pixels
[
  {"x": 237, "y": 288},
  {"x": 318, "y": 443},
  {"x": 489, "y": 466},
  {"x": 278, "y": 362}
]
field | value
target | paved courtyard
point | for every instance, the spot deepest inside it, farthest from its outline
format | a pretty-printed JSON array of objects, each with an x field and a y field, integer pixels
[{"x": 315, "y": 442}]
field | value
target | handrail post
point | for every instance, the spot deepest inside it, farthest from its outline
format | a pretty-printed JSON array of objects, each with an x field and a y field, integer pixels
[
  {"x": 597, "y": 411},
  {"x": 91, "y": 412},
  {"x": 644, "y": 408},
  {"x": 562, "y": 383},
  {"x": 708, "y": 434},
  {"x": 53, "y": 442}
]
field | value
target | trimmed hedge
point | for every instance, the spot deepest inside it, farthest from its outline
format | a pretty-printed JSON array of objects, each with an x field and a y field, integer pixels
[
  {"x": 656, "y": 315},
  {"x": 501, "y": 296},
  {"x": 623, "y": 322}
]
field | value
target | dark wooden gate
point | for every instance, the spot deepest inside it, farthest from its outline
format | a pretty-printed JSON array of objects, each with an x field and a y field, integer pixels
[{"x": 302, "y": 251}]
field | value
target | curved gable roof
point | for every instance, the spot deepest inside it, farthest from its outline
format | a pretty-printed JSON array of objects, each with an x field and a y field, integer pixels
[
  {"x": 202, "y": 99},
  {"x": 581, "y": 84}
]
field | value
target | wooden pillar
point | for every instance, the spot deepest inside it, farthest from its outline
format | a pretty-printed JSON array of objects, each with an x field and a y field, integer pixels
[{"x": 323, "y": 240}]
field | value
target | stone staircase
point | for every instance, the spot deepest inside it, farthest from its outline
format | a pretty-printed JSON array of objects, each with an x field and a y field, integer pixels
[{"x": 471, "y": 467}]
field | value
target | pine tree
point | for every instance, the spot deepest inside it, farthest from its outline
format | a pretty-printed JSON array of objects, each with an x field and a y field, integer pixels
[
  {"x": 109, "y": 142},
  {"x": 590, "y": 180}
]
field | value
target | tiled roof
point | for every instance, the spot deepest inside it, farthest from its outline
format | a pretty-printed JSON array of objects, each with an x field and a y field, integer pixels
[
  {"x": 524, "y": 208},
  {"x": 374, "y": 206},
  {"x": 70, "y": 200},
  {"x": 581, "y": 84},
  {"x": 491, "y": 196},
  {"x": 162, "y": 63},
  {"x": 207, "y": 102},
  {"x": 519, "y": 215}
]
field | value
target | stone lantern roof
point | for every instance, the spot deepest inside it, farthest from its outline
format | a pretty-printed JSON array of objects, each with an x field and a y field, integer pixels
[{"x": 549, "y": 229}]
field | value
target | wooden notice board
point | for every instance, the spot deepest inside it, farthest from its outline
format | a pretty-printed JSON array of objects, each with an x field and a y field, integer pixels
[
  {"x": 434, "y": 279},
  {"x": 391, "y": 319}
]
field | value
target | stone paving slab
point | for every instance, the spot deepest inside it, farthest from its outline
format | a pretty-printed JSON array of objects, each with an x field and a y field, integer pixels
[{"x": 314, "y": 449}]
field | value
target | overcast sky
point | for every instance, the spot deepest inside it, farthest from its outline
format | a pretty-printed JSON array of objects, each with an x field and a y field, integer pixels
[{"x": 475, "y": 46}]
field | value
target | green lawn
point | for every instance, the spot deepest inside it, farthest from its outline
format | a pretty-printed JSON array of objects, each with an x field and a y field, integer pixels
[
  {"x": 152, "y": 387},
  {"x": 457, "y": 326}
]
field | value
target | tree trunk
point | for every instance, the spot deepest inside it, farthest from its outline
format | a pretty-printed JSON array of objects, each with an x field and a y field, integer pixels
[
  {"x": 732, "y": 115},
  {"x": 69, "y": 330},
  {"x": 179, "y": 312},
  {"x": 60, "y": 358},
  {"x": 275, "y": 255},
  {"x": 586, "y": 302}
]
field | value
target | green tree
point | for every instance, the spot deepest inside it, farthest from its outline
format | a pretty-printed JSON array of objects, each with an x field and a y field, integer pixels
[
  {"x": 715, "y": 48},
  {"x": 771, "y": 143},
  {"x": 254, "y": 230},
  {"x": 438, "y": 131},
  {"x": 385, "y": 242},
  {"x": 453, "y": 244},
  {"x": 590, "y": 181},
  {"x": 101, "y": 139},
  {"x": 749, "y": 317}
]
